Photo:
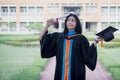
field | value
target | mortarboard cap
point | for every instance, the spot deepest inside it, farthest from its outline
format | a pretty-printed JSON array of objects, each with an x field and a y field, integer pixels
[{"x": 107, "y": 34}]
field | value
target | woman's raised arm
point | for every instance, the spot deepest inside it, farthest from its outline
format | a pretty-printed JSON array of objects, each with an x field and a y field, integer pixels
[{"x": 49, "y": 22}]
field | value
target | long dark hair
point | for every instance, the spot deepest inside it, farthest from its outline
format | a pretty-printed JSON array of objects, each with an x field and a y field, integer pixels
[{"x": 78, "y": 27}]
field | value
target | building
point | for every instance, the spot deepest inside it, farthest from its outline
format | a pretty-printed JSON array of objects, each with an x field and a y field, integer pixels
[{"x": 95, "y": 15}]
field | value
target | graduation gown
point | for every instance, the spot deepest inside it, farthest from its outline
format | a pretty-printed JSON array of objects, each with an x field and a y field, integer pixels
[{"x": 82, "y": 54}]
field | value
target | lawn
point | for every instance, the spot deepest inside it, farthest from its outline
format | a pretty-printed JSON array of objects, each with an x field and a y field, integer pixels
[
  {"x": 20, "y": 63},
  {"x": 110, "y": 58},
  {"x": 17, "y": 36},
  {"x": 24, "y": 62}
]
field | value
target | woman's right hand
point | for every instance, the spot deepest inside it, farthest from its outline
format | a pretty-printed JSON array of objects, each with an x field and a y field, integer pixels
[{"x": 49, "y": 22}]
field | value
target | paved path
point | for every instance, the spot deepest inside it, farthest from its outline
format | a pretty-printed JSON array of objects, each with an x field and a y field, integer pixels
[{"x": 98, "y": 74}]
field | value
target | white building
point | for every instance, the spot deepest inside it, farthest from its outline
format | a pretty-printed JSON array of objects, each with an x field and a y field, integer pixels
[{"x": 95, "y": 15}]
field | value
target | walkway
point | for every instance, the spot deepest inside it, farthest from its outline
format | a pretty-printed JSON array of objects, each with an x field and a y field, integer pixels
[{"x": 98, "y": 74}]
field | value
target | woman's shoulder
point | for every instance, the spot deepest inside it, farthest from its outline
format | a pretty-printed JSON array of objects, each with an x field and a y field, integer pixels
[
  {"x": 82, "y": 37},
  {"x": 55, "y": 34}
]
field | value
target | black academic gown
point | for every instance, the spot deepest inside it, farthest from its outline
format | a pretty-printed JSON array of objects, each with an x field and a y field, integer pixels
[{"x": 82, "y": 54}]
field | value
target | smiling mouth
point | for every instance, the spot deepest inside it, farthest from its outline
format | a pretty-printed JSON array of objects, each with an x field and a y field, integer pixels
[{"x": 70, "y": 26}]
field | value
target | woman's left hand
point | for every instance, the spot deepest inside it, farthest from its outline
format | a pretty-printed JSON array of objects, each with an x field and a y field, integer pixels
[{"x": 96, "y": 40}]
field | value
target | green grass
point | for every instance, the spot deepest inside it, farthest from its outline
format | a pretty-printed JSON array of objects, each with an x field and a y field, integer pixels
[
  {"x": 20, "y": 63},
  {"x": 25, "y": 63},
  {"x": 16, "y": 36},
  {"x": 110, "y": 58},
  {"x": 20, "y": 40},
  {"x": 6, "y": 37}
]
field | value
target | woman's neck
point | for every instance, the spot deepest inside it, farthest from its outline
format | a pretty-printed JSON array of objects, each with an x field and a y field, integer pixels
[{"x": 71, "y": 30}]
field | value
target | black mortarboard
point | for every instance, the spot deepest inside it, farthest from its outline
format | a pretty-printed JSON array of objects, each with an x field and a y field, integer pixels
[{"x": 107, "y": 34}]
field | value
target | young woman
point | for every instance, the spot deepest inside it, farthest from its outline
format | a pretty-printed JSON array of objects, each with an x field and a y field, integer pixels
[{"x": 71, "y": 48}]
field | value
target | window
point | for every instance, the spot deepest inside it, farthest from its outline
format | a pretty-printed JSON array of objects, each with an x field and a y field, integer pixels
[
  {"x": 79, "y": 3},
  {"x": 53, "y": 9},
  {"x": 64, "y": 3},
  {"x": 91, "y": 26},
  {"x": 119, "y": 10},
  {"x": 113, "y": 24},
  {"x": 23, "y": 9},
  {"x": 91, "y": 9},
  {"x": 12, "y": 10},
  {"x": 0, "y": 11},
  {"x": 77, "y": 10},
  {"x": 104, "y": 10},
  {"x": 5, "y": 24},
  {"x": 4, "y": 27},
  {"x": 0, "y": 24},
  {"x": 56, "y": 3},
  {"x": 12, "y": 26},
  {"x": 23, "y": 25},
  {"x": 118, "y": 25},
  {"x": 4, "y": 11},
  {"x": 71, "y": 3},
  {"x": 104, "y": 24},
  {"x": 39, "y": 10},
  {"x": 31, "y": 10},
  {"x": 112, "y": 10},
  {"x": 31, "y": 23},
  {"x": 39, "y": 23}
]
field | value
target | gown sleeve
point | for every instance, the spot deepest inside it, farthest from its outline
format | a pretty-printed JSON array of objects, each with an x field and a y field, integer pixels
[
  {"x": 48, "y": 45},
  {"x": 90, "y": 54}
]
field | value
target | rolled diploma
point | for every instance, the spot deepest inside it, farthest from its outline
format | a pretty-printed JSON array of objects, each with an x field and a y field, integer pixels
[{"x": 60, "y": 18}]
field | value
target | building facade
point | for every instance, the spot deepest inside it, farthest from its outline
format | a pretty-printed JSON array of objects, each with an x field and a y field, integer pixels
[{"x": 94, "y": 15}]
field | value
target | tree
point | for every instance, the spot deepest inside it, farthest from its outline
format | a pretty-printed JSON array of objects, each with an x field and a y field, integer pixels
[
  {"x": 12, "y": 26},
  {"x": 3, "y": 23},
  {"x": 35, "y": 26}
]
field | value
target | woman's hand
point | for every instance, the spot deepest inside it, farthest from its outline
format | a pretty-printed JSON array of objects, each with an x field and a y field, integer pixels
[
  {"x": 49, "y": 22},
  {"x": 96, "y": 40}
]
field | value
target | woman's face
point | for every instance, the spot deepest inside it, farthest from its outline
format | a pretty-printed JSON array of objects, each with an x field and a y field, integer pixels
[{"x": 71, "y": 23}]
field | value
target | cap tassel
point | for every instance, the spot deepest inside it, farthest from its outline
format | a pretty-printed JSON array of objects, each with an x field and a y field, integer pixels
[{"x": 101, "y": 42}]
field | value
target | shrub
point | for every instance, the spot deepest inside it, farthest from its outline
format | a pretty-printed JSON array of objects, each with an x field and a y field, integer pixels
[{"x": 111, "y": 45}]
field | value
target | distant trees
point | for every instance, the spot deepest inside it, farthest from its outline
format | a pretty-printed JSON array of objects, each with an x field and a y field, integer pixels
[{"x": 35, "y": 26}]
